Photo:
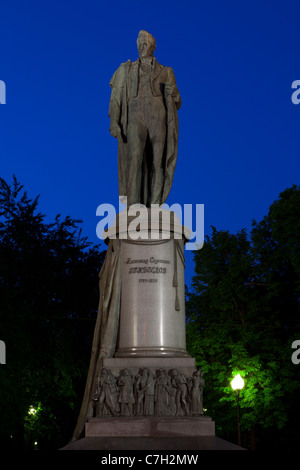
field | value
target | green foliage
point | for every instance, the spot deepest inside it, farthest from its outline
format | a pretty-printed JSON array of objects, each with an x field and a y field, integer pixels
[
  {"x": 49, "y": 300},
  {"x": 243, "y": 315}
]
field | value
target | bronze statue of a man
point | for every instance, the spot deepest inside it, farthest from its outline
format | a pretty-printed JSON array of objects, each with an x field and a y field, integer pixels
[{"x": 143, "y": 117}]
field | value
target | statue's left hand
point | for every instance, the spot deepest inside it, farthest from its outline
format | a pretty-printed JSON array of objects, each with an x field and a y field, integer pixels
[{"x": 170, "y": 89}]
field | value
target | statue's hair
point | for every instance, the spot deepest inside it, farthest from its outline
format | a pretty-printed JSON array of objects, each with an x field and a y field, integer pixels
[{"x": 145, "y": 33}]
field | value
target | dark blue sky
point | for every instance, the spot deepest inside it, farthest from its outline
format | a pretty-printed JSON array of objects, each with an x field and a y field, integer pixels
[{"x": 234, "y": 63}]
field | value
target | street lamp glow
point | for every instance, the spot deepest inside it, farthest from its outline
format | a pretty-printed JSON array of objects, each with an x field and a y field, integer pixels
[
  {"x": 237, "y": 383},
  {"x": 32, "y": 411}
]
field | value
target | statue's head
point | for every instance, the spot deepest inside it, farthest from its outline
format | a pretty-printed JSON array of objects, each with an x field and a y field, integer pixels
[{"x": 146, "y": 44}]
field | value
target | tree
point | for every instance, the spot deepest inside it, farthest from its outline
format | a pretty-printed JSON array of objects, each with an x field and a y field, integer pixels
[
  {"x": 243, "y": 315},
  {"x": 49, "y": 300}
]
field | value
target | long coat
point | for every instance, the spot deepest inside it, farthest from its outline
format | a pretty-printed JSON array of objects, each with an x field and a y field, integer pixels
[{"x": 124, "y": 85}]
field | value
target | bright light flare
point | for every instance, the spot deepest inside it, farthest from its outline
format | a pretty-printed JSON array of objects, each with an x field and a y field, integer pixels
[
  {"x": 32, "y": 411},
  {"x": 237, "y": 383}
]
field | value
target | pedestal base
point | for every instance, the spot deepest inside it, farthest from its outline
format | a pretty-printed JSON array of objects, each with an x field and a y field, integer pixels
[
  {"x": 156, "y": 426},
  {"x": 156, "y": 444}
]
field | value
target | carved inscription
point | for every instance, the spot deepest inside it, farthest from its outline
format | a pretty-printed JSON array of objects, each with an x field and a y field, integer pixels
[
  {"x": 147, "y": 266},
  {"x": 149, "y": 270}
]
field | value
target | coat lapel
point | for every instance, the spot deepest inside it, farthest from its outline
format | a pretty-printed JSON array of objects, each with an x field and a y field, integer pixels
[{"x": 156, "y": 70}]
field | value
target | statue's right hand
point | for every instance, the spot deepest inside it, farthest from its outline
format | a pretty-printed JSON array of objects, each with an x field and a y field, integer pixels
[{"x": 115, "y": 131}]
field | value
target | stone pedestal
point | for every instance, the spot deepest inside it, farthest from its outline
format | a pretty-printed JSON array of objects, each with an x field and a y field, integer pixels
[
  {"x": 152, "y": 310},
  {"x": 149, "y": 395},
  {"x": 151, "y": 387},
  {"x": 152, "y": 316}
]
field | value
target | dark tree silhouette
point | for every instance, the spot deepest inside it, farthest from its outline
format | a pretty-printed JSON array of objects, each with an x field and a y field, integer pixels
[
  {"x": 48, "y": 306},
  {"x": 243, "y": 315}
]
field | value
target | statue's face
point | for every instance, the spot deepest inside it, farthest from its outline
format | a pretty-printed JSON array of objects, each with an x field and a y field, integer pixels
[{"x": 145, "y": 46}]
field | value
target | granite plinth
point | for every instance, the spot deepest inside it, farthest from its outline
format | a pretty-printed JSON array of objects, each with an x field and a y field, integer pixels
[{"x": 156, "y": 426}]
